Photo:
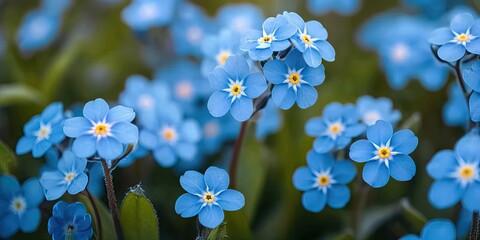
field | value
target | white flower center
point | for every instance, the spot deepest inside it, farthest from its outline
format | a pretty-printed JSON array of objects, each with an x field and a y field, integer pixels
[
  {"x": 335, "y": 129},
  {"x": 69, "y": 177},
  {"x": 18, "y": 205},
  {"x": 101, "y": 129},
  {"x": 184, "y": 89},
  {"x": 371, "y": 117},
  {"x": 324, "y": 180},
  {"x": 400, "y": 52},
  {"x": 146, "y": 101},
  {"x": 463, "y": 38},
  {"x": 466, "y": 173},
  {"x": 44, "y": 132},
  {"x": 384, "y": 153},
  {"x": 235, "y": 89},
  {"x": 294, "y": 79}
]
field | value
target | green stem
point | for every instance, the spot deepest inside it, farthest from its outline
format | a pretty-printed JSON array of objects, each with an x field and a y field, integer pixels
[{"x": 95, "y": 211}]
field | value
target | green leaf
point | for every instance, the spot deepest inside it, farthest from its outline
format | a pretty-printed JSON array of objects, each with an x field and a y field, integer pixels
[
  {"x": 218, "y": 233},
  {"x": 7, "y": 159},
  {"x": 374, "y": 218},
  {"x": 107, "y": 227},
  {"x": 238, "y": 225},
  {"x": 413, "y": 216},
  {"x": 11, "y": 94},
  {"x": 138, "y": 217}
]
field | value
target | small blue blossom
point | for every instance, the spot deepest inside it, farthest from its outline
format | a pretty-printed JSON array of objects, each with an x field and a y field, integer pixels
[
  {"x": 371, "y": 110},
  {"x": 102, "y": 130},
  {"x": 56, "y": 6},
  {"x": 336, "y": 128},
  {"x": 235, "y": 87},
  {"x": 455, "y": 110},
  {"x": 311, "y": 39},
  {"x": 294, "y": 81},
  {"x": 51, "y": 160},
  {"x": 435, "y": 229},
  {"x": 239, "y": 17},
  {"x": 462, "y": 36},
  {"x": 142, "y": 15},
  {"x": 343, "y": 7},
  {"x": 19, "y": 205},
  {"x": 208, "y": 196},
  {"x": 270, "y": 121},
  {"x": 456, "y": 175},
  {"x": 38, "y": 29},
  {"x": 70, "y": 221},
  {"x": 324, "y": 181},
  {"x": 216, "y": 131},
  {"x": 385, "y": 154},
  {"x": 217, "y": 48},
  {"x": 69, "y": 176},
  {"x": 273, "y": 38},
  {"x": 42, "y": 131}
]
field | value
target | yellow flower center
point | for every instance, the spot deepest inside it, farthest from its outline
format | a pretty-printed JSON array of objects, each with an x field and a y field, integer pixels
[
  {"x": 265, "y": 39},
  {"x": 294, "y": 78},
  {"x": 208, "y": 197},
  {"x": 69, "y": 177},
  {"x": 236, "y": 89},
  {"x": 169, "y": 134},
  {"x": 467, "y": 172},
  {"x": 323, "y": 180},
  {"x": 384, "y": 153},
  {"x": 335, "y": 128},
  {"x": 101, "y": 129},
  {"x": 222, "y": 57},
  {"x": 306, "y": 39},
  {"x": 463, "y": 37}
]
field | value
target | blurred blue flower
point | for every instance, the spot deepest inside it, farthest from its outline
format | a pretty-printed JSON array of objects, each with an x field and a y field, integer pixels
[
  {"x": 462, "y": 35},
  {"x": 294, "y": 81},
  {"x": 137, "y": 152},
  {"x": 3, "y": 43},
  {"x": 70, "y": 221},
  {"x": 456, "y": 175},
  {"x": 171, "y": 137},
  {"x": 216, "y": 131},
  {"x": 385, "y": 154},
  {"x": 270, "y": 121},
  {"x": 430, "y": 8},
  {"x": 464, "y": 223},
  {"x": 141, "y": 15},
  {"x": 96, "y": 179},
  {"x": 239, "y": 17},
  {"x": 19, "y": 205},
  {"x": 207, "y": 195},
  {"x": 235, "y": 87},
  {"x": 324, "y": 181},
  {"x": 336, "y": 128},
  {"x": 455, "y": 110},
  {"x": 435, "y": 229},
  {"x": 273, "y": 38},
  {"x": 343, "y": 7},
  {"x": 371, "y": 110},
  {"x": 217, "y": 48},
  {"x": 42, "y": 131},
  {"x": 311, "y": 40},
  {"x": 56, "y": 6},
  {"x": 69, "y": 176},
  {"x": 102, "y": 130},
  {"x": 51, "y": 160},
  {"x": 38, "y": 29}
]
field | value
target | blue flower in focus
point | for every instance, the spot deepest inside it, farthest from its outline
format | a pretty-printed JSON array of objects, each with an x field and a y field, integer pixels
[
  {"x": 336, "y": 128},
  {"x": 19, "y": 205},
  {"x": 343, "y": 7},
  {"x": 371, "y": 110},
  {"x": 311, "y": 40},
  {"x": 217, "y": 48},
  {"x": 471, "y": 74},
  {"x": 102, "y": 130},
  {"x": 171, "y": 137},
  {"x": 70, "y": 221},
  {"x": 462, "y": 36},
  {"x": 69, "y": 176},
  {"x": 38, "y": 29},
  {"x": 456, "y": 175},
  {"x": 207, "y": 195},
  {"x": 294, "y": 81},
  {"x": 324, "y": 181},
  {"x": 42, "y": 131},
  {"x": 235, "y": 87},
  {"x": 455, "y": 110},
  {"x": 142, "y": 15},
  {"x": 385, "y": 154},
  {"x": 273, "y": 38},
  {"x": 435, "y": 229},
  {"x": 239, "y": 17},
  {"x": 269, "y": 122}
]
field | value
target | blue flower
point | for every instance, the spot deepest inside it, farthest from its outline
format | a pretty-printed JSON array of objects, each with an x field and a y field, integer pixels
[
  {"x": 38, "y": 29},
  {"x": 208, "y": 196},
  {"x": 311, "y": 40},
  {"x": 456, "y": 175},
  {"x": 235, "y": 87},
  {"x": 19, "y": 205},
  {"x": 273, "y": 38},
  {"x": 137, "y": 152},
  {"x": 462, "y": 36},
  {"x": 42, "y": 131},
  {"x": 471, "y": 73},
  {"x": 216, "y": 131},
  {"x": 69, "y": 176},
  {"x": 343, "y": 7},
  {"x": 56, "y": 6},
  {"x": 385, "y": 154},
  {"x": 217, "y": 48},
  {"x": 96, "y": 179},
  {"x": 70, "y": 221},
  {"x": 171, "y": 137},
  {"x": 431, "y": 8},
  {"x": 239, "y": 17},
  {"x": 51, "y": 161},
  {"x": 269, "y": 122},
  {"x": 294, "y": 81},
  {"x": 142, "y": 15},
  {"x": 435, "y": 229},
  {"x": 464, "y": 223},
  {"x": 336, "y": 128},
  {"x": 371, "y": 110},
  {"x": 102, "y": 130},
  {"x": 324, "y": 181},
  {"x": 455, "y": 110}
]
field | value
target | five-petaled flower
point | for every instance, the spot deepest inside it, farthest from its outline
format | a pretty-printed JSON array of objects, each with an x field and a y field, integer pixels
[
  {"x": 435, "y": 229},
  {"x": 70, "y": 221}
]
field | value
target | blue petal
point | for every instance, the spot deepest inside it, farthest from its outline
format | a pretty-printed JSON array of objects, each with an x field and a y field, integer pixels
[
  {"x": 67, "y": 162},
  {"x": 326, "y": 50},
  {"x": 78, "y": 184},
  {"x": 402, "y": 167},
  {"x": 283, "y": 97},
  {"x": 218, "y": 78},
  {"x": 84, "y": 146},
  {"x": 231, "y": 200},
  {"x": 354, "y": 130},
  {"x": 473, "y": 46},
  {"x": 255, "y": 85},
  {"x": 475, "y": 106},
  {"x": 52, "y": 112},
  {"x": 467, "y": 147},
  {"x": 323, "y": 144},
  {"x": 30, "y": 220},
  {"x": 404, "y": 141},
  {"x": 439, "y": 229},
  {"x": 470, "y": 75},
  {"x": 148, "y": 140},
  {"x": 279, "y": 46},
  {"x": 444, "y": 193},
  {"x": 32, "y": 192},
  {"x": 314, "y": 76},
  {"x": 165, "y": 156},
  {"x": 294, "y": 60},
  {"x": 320, "y": 162},
  {"x": 8, "y": 225},
  {"x": 190, "y": 131},
  {"x": 260, "y": 54},
  {"x": 96, "y": 110},
  {"x": 306, "y": 96},
  {"x": 216, "y": 179},
  {"x": 362, "y": 151},
  {"x": 271, "y": 24},
  {"x": 219, "y": 103},
  {"x": 125, "y": 132},
  {"x": 193, "y": 182},
  {"x": 314, "y": 200},
  {"x": 53, "y": 184},
  {"x": 76, "y": 127},
  {"x": 333, "y": 112},
  {"x": 303, "y": 179},
  {"x": 40, "y": 148},
  {"x": 120, "y": 114},
  {"x": 294, "y": 19},
  {"x": 211, "y": 216},
  {"x": 376, "y": 174},
  {"x": 315, "y": 127},
  {"x": 109, "y": 148},
  {"x": 338, "y": 196},
  {"x": 442, "y": 164},
  {"x": 275, "y": 71},
  {"x": 451, "y": 52},
  {"x": 285, "y": 32},
  {"x": 188, "y": 205},
  {"x": 461, "y": 23},
  {"x": 9, "y": 187},
  {"x": 441, "y": 36},
  {"x": 185, "y": 151},
  {"x": 380, "y": 133},
  {"x": 236, "y": 67},
  {"x": 25, "y": 145},
  {"x": 57, "y": 135},
  {"x": 316, "y": 30},
  {"x": 343, "y": 171},
  {"x": 472, "y": 194},
  {"x": 32, "y": 125},
  {"x": 242, "y": 109},
  {"x": 312, "y": 57}
]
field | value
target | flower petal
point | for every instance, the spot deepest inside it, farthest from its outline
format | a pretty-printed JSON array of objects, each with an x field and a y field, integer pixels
[
  {"x": 120, "y": 114},
  {"x": 32, "y": 192},
  {"x": 380, "y": 133},
  {"x": 78, "y": 184},
  {"x": 362, "y": 151},
  {"x": 314, "y": 200},
  {"x": 84, "y": 146},
  {"x": 109, "y": 148},
  {"x": 165, "y": 156},
  {"x": 306, "y": 96},
  {"x": 219, "y": 103},
  {"x": 96, "y": 110},
  {"x": 315, "y": 127},
  {"x": 461, "y": 23},
  {"x": 216, "y": 179},
  {"x": 323, "y": 144},
  {"x": 193, "y": 182},
  {"x": 326, "y": 50},
  {"x": 283, "y": 96},
  {"x": 303, "y": 179},
  {"x": 312, "y": 57},
  {"x": 338, "y": 196},
  {"x": 25, "y": 145},
  {"x": 76, "y": 127},
  {"x": 451, "y": 52},
  {"x": 231, "y": 200},
  {"x": 441, "y": 36},
  {"x": 402, "y": 167},
  {"x": 439, "y": 229},
  {"x": 188, "y": 205},
  {"x": 320, "y": 162},
  {"x": 211, "y": 216},
  {"x": 343, "y": 171},
  {"x": 442, "y": 164},
  {"x": 218, "y": 78},
  {"x": 30, "y": 220},
  {"x": 444, "y": 193},
  {"x": 255, "y": 85},
  {"x": 236, "y": 67},
  {"x": 472, "y": 194},
  {"x": 376, "y": 174},
  {"x": 404, "y": 141},
  {"x": 9, "y": 186},
  {"x": 275, "y": 71},
  {"x": 125, "y": 132},
  {"x": 242, "y": 109}
]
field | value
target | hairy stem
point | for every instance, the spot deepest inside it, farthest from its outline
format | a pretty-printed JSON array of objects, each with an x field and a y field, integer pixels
[
  {"x": 95, "y": 211},
  {"x": 473, "y": 235},
  {"x": 236, "y": 155},
  {"x": 202, "y": 232},
  {"x": 112, "y": 200}
]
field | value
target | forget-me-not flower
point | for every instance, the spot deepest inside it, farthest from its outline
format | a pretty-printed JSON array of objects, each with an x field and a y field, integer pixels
[
  {"x": 142, "y": 15},
  {"x": 294, "y": 80},
  {"x": 235, "y": 87},
  {"x": 385, "y": 154},
  {"x": 455, "y": 110},
  {"x": 269, "y": 122},
  {"x": 435, "y": 229},
  {"x": 217, "y": 48},
  {"x": 239, "y": 17},
  {"x": 208, "y": 196},
  {"x": 471, "y": 75},
  {"x": 343, "y": 7},
  {"x": 324, "y": 181},
  {"x": 70, "y": 221},
  {"x": 38, "y": 29},
  {"x": 371, "y": 110}
]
